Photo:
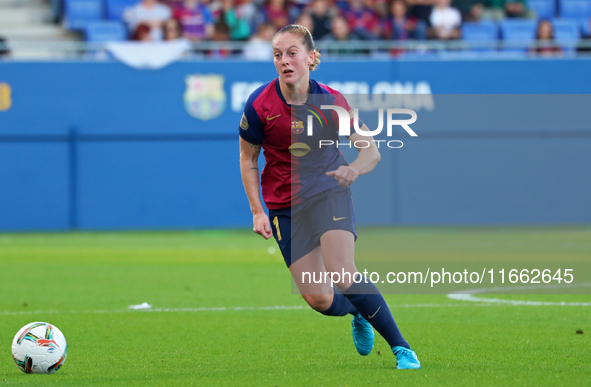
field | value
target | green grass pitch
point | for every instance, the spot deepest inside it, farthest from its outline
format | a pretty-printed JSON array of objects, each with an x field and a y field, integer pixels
[{"x": 84, "y": 282}]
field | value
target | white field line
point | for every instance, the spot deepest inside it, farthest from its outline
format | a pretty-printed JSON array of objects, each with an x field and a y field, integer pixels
[
  {"x": 220, "y": 309},
  {"x": 483, "y": 302},
  {"x": 468, "y": 295}
]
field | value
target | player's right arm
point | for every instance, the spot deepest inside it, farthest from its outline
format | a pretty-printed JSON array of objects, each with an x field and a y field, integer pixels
[
  {"x": 252, "y": 135},
  {"x": 249, "y": 170}
]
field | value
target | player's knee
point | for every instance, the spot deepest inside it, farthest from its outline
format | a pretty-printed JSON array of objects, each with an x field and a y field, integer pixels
[{"x": 318, "y": 302}]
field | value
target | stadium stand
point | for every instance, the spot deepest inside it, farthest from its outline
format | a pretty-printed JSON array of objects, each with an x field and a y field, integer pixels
[
  {"x": 80, "y": 12},
  {"x": 585, "y": 24},
  {"x": 481, "y": 32},
  {"x": 115, "y": 8},
  {"x": 27, "y": 25},
  {"x": 575, "y": 8},
  {"x": 486, "y": 30},
  {"x": 566, "y": 30},
  {"x": 545, "y": 9},
  {"x": 567, "y": 33},
  {"x": 105, "y": 31},
  {"x": 519, "y": 32}
]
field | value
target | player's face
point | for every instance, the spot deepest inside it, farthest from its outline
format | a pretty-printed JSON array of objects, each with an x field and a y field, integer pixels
[{"x": 291, "y": 58}]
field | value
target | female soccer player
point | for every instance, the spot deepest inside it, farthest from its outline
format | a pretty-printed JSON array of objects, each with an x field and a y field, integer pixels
[{"x": 306, "y": 189}]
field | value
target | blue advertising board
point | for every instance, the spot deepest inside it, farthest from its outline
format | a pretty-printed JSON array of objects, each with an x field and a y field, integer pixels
[{"x": 99, "y": 145}]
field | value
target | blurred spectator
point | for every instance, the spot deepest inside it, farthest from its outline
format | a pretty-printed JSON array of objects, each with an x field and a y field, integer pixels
[
  {"x": 306, "y": 20},
  {"x": 475, "y": 13},
  {"x": 297, "y": 7},
  {"x": 4, "y": 51},
  {"x": 259, "y": 47},
  {"x": 381, "y": 7},
  {"x": 378, "y": 6},
  {"x": 239, "y": 27},
  {"x": 479, "y": 12},
  {"x": 143, "y": 33},
  {"x": 340, "y": 32},
  {"x": 510, "y": 8},
  {"x": 445, "y": 21},
  {"x": 276, "y": 12},
  {"x": 247, "y": 10},
  {"x": 545, "y": 44},
  {"x": 420, "y": 9},
  {"x": 148, "y": 12},
  {"x": 172, "y": 30},
  {"x": 342, "y": 6},
  {"x": 174, "y": 4},
  {"x": 464, "y": 6},
  {"x": 321, "y": 13},
  {"x": 196, "y": 20},
  {"x": 221, "y": 34},
  {"x": 398, "y": 26},
  {"x": 363, "y": 20}
]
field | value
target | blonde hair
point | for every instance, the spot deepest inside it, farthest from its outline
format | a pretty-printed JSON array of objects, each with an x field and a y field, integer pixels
[{"x": 307, "y": 40}]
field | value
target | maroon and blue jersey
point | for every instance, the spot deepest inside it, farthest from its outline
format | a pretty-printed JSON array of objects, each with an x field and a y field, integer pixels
[{"x": 296, "y": 164}]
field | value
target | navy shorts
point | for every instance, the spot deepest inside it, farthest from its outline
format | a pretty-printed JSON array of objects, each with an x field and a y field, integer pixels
[{"x": 298, "y": 229}]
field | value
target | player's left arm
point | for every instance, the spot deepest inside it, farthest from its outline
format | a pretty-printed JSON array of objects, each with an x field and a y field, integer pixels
[{"x": 366, "y": 160}]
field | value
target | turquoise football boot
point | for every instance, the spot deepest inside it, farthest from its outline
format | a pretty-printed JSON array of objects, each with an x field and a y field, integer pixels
[
  {"x": 363, "y": 335},
  {"x": 406, "y": 359}
]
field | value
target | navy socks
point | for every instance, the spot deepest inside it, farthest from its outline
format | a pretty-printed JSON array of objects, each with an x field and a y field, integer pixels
[
  {"x": 340, "y": 306},
  {"x": 368, "y": 300}
]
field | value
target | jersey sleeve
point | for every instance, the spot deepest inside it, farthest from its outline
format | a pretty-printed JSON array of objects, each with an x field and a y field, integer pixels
[{"x": 251, "y": 129}]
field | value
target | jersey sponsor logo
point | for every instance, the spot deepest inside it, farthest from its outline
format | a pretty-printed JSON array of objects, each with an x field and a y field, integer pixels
[
  {"x": 204, "y": 96},
  {"x": 272, "y": 118},
  {"x": 297, "y": 127},
  {"x": 299, "y": 149},
  {"x": 5, "y": 97},
  {"x": 243, "y": 122}
]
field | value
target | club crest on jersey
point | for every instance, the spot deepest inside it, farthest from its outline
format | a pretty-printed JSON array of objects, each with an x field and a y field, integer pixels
[
  {"x": 297, "y": 127},
  {"x": 204, "y": 96}
]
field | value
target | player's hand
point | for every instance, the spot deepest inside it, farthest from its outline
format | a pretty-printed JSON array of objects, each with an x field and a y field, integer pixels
[
  {"x": 345, "y": 175},
  {"x": 261, "y": 225}
]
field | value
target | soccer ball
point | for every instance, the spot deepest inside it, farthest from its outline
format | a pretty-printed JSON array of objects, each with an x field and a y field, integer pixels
[{"x": 39, "y": 348}]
